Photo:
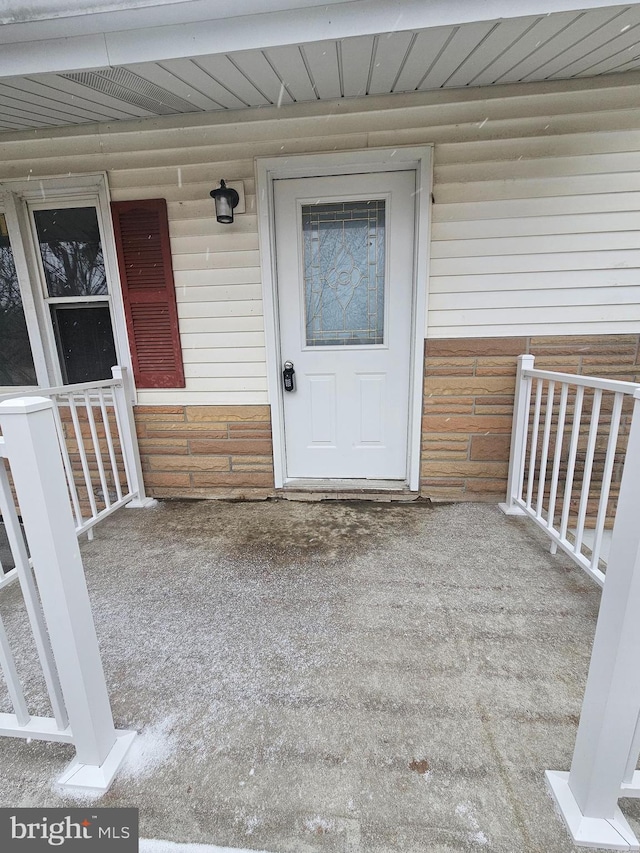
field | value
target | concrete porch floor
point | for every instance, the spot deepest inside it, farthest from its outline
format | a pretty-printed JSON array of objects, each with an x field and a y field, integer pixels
[{"x": 352, "y": 677}]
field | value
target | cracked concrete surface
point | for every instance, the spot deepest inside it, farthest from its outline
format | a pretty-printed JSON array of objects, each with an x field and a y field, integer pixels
[{"x": 352, "y": 677}]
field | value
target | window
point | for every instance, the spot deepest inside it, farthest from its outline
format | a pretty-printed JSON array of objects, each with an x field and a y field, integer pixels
[
  {"x": 344, "y": 263},
  {"x": 59, "y": 283},
  {"x": 77, "y": 294},
  {"x": 16, "y": 360}
]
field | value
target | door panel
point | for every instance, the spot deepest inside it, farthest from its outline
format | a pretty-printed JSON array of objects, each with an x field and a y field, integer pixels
[
  {"x": 344, "y": 251},
  {"x": 322, "y": 407},
  {"x": 372, "y": 396}
]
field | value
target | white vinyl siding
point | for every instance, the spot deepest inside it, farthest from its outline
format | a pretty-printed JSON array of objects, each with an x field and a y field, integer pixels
[
  {"x": 551, "y": 246},
  {"x": 535, "y": 228}
]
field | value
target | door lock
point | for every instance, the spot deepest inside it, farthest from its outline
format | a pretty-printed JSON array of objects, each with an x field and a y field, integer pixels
[{"x": 287, "y": 376}]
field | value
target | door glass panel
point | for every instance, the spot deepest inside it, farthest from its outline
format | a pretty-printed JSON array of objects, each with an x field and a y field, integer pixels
[
  {"x": 16, "y": 361},
  {"x": 71, "y": 251},
  {"x": 85, "y": 341},
  {"x": 344, "y": 263}
]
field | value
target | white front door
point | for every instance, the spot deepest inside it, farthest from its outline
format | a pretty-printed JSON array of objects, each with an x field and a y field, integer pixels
[{"x": 345, "y": 255}]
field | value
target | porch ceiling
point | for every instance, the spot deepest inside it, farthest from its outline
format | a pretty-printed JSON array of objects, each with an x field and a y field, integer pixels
[{"x": 569, "y": 43}]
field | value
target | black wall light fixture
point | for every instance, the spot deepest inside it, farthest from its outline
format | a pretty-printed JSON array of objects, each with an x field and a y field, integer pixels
[{"x": 226, "y": 199}]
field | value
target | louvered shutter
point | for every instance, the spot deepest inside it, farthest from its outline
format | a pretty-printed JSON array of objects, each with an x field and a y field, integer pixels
[{"x": 144, "y": 257}]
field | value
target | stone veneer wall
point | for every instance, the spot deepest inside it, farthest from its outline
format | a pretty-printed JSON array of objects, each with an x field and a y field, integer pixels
[
  {"x": 226, "y": 452},
  {"x": 468, "y": 403},
  {"x": 206, "y": 451}
]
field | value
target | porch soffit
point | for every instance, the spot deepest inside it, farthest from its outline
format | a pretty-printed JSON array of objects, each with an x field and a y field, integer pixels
[{"x": 375, "y": 48}]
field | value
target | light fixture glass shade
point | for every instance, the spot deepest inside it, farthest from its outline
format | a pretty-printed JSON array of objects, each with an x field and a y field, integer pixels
[{"x": 225, "y": 199}]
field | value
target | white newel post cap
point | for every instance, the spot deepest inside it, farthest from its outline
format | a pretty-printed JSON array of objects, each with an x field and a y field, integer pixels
[
  {"x": 527, "y": 360},
  {"x": 25, "y": 405}
]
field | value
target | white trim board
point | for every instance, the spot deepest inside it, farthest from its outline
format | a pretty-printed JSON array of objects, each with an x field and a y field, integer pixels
[
  {"x": 54, "y": 41},
  {"x": 269, "y": 169}
]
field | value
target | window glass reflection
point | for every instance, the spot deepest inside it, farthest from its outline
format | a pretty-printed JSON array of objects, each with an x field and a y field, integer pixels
[
  {"x": 71, "y": 251},
  {"x": 85, "y": 341}
]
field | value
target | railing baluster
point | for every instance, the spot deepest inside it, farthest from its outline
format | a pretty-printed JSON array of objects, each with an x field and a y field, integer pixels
[
  {"x": 614, "y": 429},
  {"x": 545, "y": 447},
  {"x": 112, "y": 456},
  {"x": 534, "y": 442},
  {"x": 14, "y": 688},
  {"x": 97, "y": 451},
  {"x": 83, "y": 455},
  {"x": 523, "y": 452},
  {"x": 519, "y": 431},
  {"x": 588, "y": 468},
  {"x": 528, "y": 387},
  {"x": 632, "y": 761},
  {"x": 66, "y": 461},
  {"x": 571, "y": 461},
  {"x": 119, "y": 424},
  {"x": 557, "y": 456},
  {"x": 8, "y": 577},
  {"x": 122, "y": 393}
]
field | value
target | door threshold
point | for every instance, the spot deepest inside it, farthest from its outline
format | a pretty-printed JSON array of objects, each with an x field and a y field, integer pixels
[
  {"x": 342, "y": 485},
  {"x": 363, "y": 490}
]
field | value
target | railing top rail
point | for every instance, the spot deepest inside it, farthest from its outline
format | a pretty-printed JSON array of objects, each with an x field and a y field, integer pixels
[
  {"x": 62, "y": 389},
  {"x": 615, "y": 385}
]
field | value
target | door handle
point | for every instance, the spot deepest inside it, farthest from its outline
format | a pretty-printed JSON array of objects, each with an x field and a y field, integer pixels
[{"x": 287, "y": 376}]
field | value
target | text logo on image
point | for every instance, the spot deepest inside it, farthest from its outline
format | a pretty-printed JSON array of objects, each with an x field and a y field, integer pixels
[{"x": 70, "y": 830}]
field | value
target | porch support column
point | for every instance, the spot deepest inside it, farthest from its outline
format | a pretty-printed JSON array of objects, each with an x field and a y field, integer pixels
[
  {"x": 519, "y": 431},
  {"x": 123, "y": 395}
]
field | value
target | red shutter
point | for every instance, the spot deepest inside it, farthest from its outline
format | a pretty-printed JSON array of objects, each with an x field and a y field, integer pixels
[{"x": 144, "y": 257}]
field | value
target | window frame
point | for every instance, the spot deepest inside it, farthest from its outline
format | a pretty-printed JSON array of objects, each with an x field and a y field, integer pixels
[
  {"x": 22, "y": 198},
  {"x": 71, "y": 301},
  {"x": 24, "y": 310},
  {"x": 8, "y": 208}
]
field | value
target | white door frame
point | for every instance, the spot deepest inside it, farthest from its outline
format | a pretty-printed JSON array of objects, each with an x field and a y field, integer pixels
[{"x": 269, "y": 169}]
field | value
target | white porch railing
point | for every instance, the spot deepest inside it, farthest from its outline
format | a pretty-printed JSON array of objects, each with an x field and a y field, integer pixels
[
  {"x": 607, "y": 746},
  {"x": 49, "y": 568},
  {"x": 574, "y": 422},
  {"x": 97, "y": 438},
  {"x": 569, "y": 435}
]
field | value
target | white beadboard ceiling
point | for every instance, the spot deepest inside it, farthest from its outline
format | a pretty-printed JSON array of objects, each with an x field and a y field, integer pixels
[{"x": 559, "y": 45}]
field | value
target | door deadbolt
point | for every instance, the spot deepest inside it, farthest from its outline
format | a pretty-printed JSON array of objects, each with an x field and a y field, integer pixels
[{"x": 287, "y": 376}]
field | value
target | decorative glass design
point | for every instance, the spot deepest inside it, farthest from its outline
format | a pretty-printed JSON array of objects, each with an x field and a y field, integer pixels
[{"x": 344, "y": 262}]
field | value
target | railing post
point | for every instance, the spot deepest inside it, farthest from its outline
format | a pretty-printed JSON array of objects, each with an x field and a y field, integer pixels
[
  {"x": 31, "y": 444},
  {"x": 519, "y": 428},
  {"x": 122, "y": 394},
  {"x": 588, "y": 795}
]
